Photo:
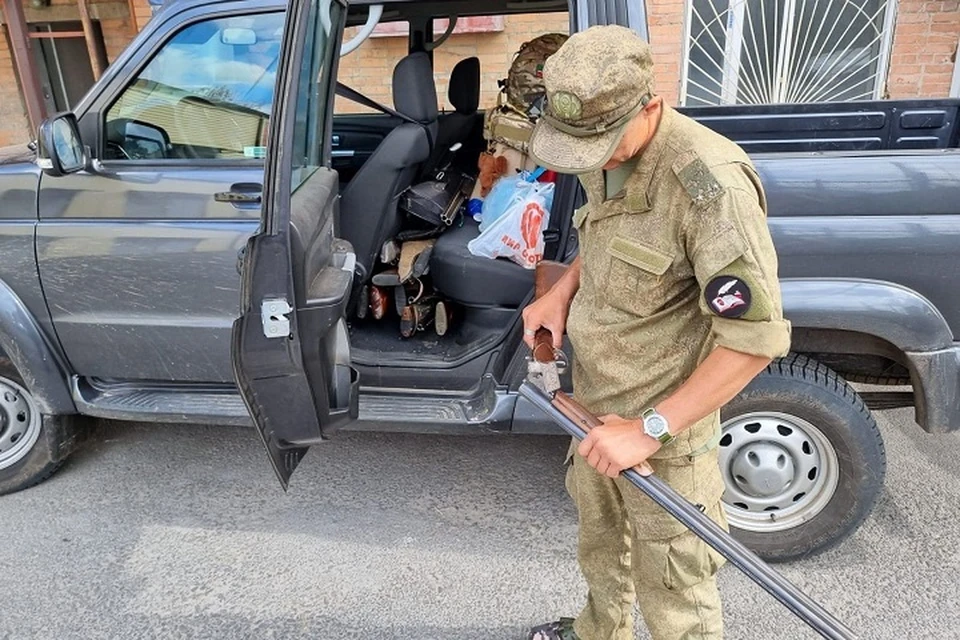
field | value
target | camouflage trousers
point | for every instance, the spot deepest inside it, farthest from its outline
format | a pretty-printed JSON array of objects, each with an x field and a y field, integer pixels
[{"x": 630, "y": 550}]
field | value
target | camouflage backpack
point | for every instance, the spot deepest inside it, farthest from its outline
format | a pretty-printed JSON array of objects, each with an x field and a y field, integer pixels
[{"x": 524, "y": 86}]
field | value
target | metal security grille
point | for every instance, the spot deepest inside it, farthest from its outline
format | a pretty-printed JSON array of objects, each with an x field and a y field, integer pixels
[{"x": 785, "y": 51}]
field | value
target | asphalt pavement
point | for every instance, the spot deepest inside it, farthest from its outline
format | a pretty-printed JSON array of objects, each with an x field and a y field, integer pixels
[{"x": 160, "y": 531}]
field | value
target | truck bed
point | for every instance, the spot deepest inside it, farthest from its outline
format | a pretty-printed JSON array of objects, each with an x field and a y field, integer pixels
[{"x": 882, "y": 125}]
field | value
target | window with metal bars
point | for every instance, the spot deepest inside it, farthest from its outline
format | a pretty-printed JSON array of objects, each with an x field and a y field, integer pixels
[{"x": 785, "y": 51}]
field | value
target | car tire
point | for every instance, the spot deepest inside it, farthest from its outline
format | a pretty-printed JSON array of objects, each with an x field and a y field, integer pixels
[
  {"x": 32, "y": 445},
  {"x": 802, "y": 458}
]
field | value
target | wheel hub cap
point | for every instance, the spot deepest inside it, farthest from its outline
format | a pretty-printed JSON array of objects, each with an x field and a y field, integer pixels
[
  {"x": 780, "y": 471},
  {"x": 763, "y": 469},
  {"x": 19, "y": 423}
]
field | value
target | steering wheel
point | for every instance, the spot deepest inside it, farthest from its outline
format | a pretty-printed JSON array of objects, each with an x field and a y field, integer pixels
[{"x": 118, "y": 149}]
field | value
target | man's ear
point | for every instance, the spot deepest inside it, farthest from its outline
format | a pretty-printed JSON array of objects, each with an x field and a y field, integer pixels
[{"x": 655, "y": 103}]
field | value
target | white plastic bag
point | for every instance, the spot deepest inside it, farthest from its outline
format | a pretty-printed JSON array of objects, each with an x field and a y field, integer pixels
[{"x": 518, "y": 233}]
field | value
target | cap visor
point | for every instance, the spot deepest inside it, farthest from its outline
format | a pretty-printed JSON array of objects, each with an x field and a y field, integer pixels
[{"x": 564, "y": 153}]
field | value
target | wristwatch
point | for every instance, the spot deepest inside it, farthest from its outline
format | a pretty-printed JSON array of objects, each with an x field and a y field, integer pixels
[{"x": 656, "y": 426}]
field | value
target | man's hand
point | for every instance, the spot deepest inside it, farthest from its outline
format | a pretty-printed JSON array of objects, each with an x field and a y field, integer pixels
[
  {"x": 549, "y": 312},
  {"x": 616, "y": 445}
]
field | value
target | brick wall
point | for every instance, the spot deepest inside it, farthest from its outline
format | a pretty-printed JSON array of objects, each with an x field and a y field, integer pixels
[
  {"x": 369, "y": 68},
  {"x": 13, "y": 120},
  {"x": 141, "y": 13},
  {"x": 117, "y": 34},
  {"x": 665, "y": 19},
  {"x": 924, "y": 49}
]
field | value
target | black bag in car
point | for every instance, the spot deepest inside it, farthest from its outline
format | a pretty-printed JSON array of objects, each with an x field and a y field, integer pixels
[{"x": 433, "y": 205}]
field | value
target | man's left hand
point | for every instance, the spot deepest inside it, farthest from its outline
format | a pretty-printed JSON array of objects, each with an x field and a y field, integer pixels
[{"x": 616, "y": 445}]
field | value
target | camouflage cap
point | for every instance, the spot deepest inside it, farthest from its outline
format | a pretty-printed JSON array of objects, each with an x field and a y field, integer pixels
[{"x": 595, "y": 84}]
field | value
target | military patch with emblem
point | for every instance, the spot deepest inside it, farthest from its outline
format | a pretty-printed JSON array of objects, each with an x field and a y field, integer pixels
[
  {"x": 698, "y": 181},
  {"x": 728, "y": 296},
  {"x": 566, "y": 106}
]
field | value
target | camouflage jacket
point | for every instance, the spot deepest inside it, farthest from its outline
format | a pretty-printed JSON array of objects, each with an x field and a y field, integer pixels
[{"x": 678, "y": 262}]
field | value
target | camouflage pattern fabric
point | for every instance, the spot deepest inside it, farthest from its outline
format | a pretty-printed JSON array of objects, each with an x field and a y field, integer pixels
[
  {"x": 676, "y": 260},
  {"x": 663, "y": 262},
  {"x": 631, "y": 550},
  {"x": 598, "y": 80},
  {"x": 691, "y": 215},
  {"x": 642, "y": 320},
  {"x": 525, "y": 79},
  {"x": 505, "y": 125}
]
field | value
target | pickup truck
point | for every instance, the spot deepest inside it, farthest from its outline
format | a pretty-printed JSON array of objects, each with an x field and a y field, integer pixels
[{"x": 179, "y": 251}]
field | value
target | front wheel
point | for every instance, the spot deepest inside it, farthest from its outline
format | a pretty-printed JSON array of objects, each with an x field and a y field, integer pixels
[
  {"x": 32, "y": 445},
  {"x": 802, "y": 459}
]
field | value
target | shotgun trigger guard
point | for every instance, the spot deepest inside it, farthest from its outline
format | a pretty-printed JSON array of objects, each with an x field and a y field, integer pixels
[{"x": 560, "y": 360}]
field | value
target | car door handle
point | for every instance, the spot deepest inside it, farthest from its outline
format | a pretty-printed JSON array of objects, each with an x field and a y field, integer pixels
[{"x": 242, "y": 193}]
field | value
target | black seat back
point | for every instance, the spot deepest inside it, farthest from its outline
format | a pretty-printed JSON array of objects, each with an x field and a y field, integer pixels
[
  {"x": 368, "y": 207},
  {"x": 464, "y": 124}
]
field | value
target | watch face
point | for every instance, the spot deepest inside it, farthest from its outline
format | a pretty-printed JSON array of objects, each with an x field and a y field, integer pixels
[{"x": 656, "y": 425}]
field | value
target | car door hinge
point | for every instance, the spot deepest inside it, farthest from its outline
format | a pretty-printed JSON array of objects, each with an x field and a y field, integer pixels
[{"x": 273, "y": 316}]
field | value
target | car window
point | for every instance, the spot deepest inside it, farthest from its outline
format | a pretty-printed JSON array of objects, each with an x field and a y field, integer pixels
[
  {"x": 494, "y": 40},
  {"x": 206, "y": 95},
  {"x": 369, "y": 69},
  {"x": 313, "y": 89}
]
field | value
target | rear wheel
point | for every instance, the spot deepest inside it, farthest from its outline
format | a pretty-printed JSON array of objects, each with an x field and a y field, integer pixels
[
  {"x": 32, "y": 445},
  {"x": 802, "y": 459}
]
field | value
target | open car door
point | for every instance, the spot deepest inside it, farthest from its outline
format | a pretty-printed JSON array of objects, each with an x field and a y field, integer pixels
[{"x": 291, "y": 354}]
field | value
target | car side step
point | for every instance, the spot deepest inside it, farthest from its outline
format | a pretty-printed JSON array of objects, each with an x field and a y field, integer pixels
[
  {"x": 410, "y": 409},
  {"x": 487, "y": 408},
  {"x": 194, "y": 404}
]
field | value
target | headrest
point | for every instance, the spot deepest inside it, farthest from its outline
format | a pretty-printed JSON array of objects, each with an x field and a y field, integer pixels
[
  {"x": 464, "y": 89},
  {"x": 414, "y": 93}
]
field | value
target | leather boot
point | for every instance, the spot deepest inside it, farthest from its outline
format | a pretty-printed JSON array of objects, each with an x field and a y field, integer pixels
[
  {"x": 415, "y": 317},
  {"x": 379, "y": 302}
]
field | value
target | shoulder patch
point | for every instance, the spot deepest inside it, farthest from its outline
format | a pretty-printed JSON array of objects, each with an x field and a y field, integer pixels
[
  {"x": 728, "y": 296},
  {"x": 735, "y": 292},
  {"x": 697, "y": 180}
]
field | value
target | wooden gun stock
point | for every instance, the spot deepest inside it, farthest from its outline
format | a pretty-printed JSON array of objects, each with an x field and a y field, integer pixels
[{"x": 548, "y": 274}]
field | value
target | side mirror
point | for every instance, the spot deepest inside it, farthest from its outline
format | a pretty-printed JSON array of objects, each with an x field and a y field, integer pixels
[{"x": 61, "y": 151}]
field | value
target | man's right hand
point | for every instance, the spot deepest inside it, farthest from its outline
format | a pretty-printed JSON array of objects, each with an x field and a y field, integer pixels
[{"x": 549, "y": 312}]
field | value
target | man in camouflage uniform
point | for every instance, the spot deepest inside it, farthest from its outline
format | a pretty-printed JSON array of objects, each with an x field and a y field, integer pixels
[{"x": 672, "y": 307}]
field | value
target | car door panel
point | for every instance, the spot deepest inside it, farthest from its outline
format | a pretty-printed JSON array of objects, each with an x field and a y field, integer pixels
[
  {"x": 157, "y": 274},
  {"x": 138, "y": 255},
  {"x": 291, "y": 350}
]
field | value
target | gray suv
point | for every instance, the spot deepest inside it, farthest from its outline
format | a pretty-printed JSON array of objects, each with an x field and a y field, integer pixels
[{"x": 158, "y": 268}]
